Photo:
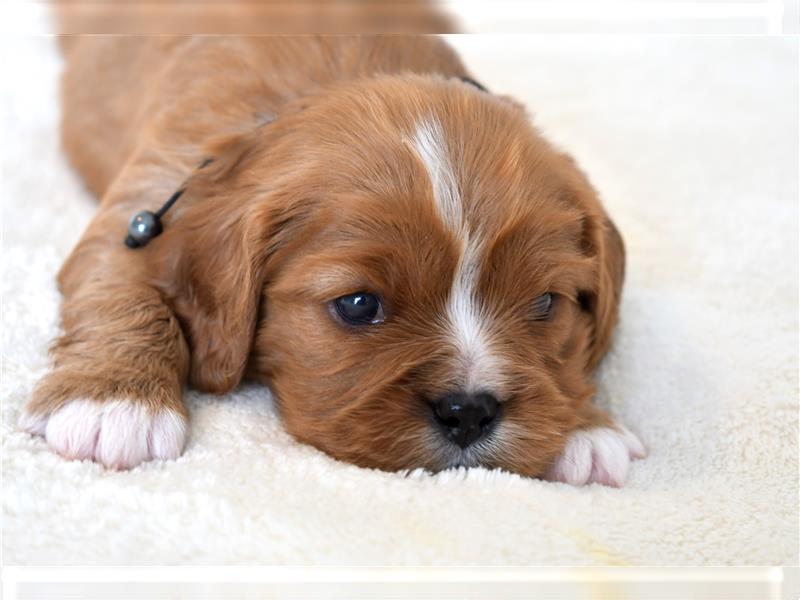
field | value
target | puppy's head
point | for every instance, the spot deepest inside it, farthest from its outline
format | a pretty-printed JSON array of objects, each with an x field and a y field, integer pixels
[{"x": 420, "y": 277}]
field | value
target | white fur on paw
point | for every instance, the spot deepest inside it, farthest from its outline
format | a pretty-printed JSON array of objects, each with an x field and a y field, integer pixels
[
  {"x": 600, "y": 455},
  {"x": 32, "y": 423},
  {"x": 117, "y": 433}
]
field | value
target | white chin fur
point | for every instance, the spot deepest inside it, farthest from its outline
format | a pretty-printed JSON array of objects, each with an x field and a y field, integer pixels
[
  {"x": 600, "y": 455},
  {"x": 117, "y": 433}
]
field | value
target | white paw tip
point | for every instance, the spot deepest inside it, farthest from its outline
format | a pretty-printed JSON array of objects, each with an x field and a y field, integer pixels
[
  {"x": 117, "y": 433},
  {"x": 600, "y": 455},
  {"x": 33, "y": 423}
]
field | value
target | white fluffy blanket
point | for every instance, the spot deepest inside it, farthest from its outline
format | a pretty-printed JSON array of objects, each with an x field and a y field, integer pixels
[{"x": 692, "y": 143}]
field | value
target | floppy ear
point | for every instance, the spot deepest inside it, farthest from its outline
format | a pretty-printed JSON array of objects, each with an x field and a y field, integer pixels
[
  {"x": 602, "y": 239},
  {"x": 209, "y": 263}
]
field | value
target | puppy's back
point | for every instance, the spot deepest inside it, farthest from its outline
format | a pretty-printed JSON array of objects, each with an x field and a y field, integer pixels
[
  {"x": 241, "y": 17},
  {"x": 187, "y": 89},
  {"x": 104, "y": 93}
]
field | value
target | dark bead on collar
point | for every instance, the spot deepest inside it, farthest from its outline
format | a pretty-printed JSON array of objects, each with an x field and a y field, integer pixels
[{"x": 144, "y": 226}]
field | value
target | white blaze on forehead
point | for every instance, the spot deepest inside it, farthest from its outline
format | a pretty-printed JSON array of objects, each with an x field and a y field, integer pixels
[
  {"x": 468, "y": 323},
  {"x": 480, "y": 367},
  {"x": 429, "y": 142}
]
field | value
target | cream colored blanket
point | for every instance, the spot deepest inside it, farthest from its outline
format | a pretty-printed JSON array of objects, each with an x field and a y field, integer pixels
[{"x": 693, "y": 145}]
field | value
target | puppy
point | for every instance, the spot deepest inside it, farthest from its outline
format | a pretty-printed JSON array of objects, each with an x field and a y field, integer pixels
[{"x": 420, "y": 278}]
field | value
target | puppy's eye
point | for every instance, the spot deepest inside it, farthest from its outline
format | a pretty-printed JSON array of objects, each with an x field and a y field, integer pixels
[
  {"x": 360, "y": 308},
  {"x": 541, "y": 307}
]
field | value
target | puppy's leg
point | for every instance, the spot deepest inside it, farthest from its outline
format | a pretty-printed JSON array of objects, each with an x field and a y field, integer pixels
[
  {"x": 600, "y": 451},
  {"x": 114, "y": 395}
]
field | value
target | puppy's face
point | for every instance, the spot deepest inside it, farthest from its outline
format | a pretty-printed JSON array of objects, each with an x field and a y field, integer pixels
[{"x": 433, "y": 282}]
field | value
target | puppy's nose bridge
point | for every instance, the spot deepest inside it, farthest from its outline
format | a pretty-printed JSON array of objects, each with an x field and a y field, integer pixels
[{"x": 465, "y": 417}]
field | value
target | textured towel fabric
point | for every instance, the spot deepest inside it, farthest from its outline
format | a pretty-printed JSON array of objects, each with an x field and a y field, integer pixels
[{"x": 693, "y": 145}]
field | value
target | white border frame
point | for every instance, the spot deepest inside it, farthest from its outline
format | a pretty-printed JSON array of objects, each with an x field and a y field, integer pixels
[{"x": 480, "y": 582}]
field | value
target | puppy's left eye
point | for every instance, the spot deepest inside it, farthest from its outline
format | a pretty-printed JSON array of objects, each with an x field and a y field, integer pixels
[
  {"x": 360, "y": 308},
  {"x": 541, "y": 307}
]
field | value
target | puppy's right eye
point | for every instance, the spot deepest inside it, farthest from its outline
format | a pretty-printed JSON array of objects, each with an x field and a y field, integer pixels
[{"x": 360, "y": 308}]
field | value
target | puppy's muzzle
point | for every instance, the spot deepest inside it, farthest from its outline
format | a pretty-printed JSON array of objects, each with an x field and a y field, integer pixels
[{"x": 465, "y": 418}]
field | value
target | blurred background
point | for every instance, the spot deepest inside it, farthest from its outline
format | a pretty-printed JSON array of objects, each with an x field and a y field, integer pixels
[{"x": 406, "y": 16}]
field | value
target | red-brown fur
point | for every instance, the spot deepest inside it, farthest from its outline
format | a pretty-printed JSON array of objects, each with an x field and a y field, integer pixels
[
  {"x": 313, "y": 194},
  {"x": 248, "y": 17}
]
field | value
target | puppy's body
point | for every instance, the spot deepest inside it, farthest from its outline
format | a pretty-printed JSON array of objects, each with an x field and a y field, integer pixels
[
  {"x": 178, "y": 93},
  {"x": 338, "y": 165}
]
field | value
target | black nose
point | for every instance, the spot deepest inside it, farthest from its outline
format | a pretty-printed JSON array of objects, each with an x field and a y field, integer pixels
[{"x": 464, "y": 418}]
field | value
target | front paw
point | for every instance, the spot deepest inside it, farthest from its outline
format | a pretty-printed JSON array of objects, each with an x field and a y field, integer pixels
[
  {"x": 599, "y": 455},
  {"x": 119, "y": 433}
]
